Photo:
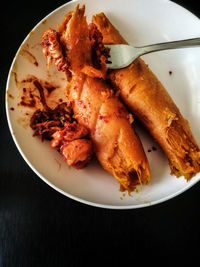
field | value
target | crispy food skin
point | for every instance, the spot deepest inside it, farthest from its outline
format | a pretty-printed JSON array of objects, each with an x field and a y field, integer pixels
[
  {"x": 147, "y": 98},
  {"x": 95, "y": 106}
]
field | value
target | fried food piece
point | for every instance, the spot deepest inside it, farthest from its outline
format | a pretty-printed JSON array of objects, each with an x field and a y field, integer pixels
[
  {"x": 147, "y": 98},
  {"x": 68, "y": 137},
  {"x": 95, "y": 106},
  {"x": 71, "y": 141},
  {"x": 117, "y": 147},
  {"x": 77, "y": 153}
]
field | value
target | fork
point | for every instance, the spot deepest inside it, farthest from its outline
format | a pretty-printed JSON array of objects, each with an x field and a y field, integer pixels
[{"x": 122, "y": 55}]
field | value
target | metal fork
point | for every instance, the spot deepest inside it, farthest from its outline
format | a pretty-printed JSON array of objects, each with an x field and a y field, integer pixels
[{"x": 123, "y": 55}]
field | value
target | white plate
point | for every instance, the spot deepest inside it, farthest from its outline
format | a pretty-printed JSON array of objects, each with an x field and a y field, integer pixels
[{"x": 140, "y": 22}]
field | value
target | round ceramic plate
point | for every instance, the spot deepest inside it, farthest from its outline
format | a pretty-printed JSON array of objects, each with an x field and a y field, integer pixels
[{"x": 141, "y": 22}]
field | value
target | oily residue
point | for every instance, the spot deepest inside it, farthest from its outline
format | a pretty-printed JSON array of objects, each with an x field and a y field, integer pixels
[
  {"x": 33, "y": 91},
  {"x": 35, "y": 94},
  {"x": 10, "y": 95},
  {"x": 29, "y": 56},
  {"x": 41, "y": 92}
]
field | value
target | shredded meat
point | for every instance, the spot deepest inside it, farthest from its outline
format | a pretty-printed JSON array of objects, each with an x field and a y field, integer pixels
[
  {"x": 64, "y": 133},
  {"x": 52, "y": 50},
  {"x": 46, "y": 122}
]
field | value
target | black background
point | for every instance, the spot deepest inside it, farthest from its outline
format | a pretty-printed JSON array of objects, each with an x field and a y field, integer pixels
[{"x": 40, "y": 227}]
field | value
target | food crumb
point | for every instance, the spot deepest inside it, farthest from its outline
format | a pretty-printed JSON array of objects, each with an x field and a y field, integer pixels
[
  {"x": 129, "y": 193},
  {"x": 29, "y": 56},
  {"x": 12, "y": 108},
  {"x": 154, "y": 148},
  {"x": 9, "y": 95},
  {"x": 31, "y": 33}
]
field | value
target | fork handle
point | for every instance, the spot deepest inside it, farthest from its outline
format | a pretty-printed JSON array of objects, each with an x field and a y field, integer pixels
[{"x": 169, "y": 45}]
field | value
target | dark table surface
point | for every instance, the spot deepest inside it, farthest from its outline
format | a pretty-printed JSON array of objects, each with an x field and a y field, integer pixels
[{"x": 41, "y": 227}]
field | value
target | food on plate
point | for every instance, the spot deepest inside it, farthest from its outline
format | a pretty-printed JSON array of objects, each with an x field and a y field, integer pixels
[
  {"x": 76, "y": 49},
  {"x": 64, "y": 133},
  {"x": 147, "y": 98}
]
